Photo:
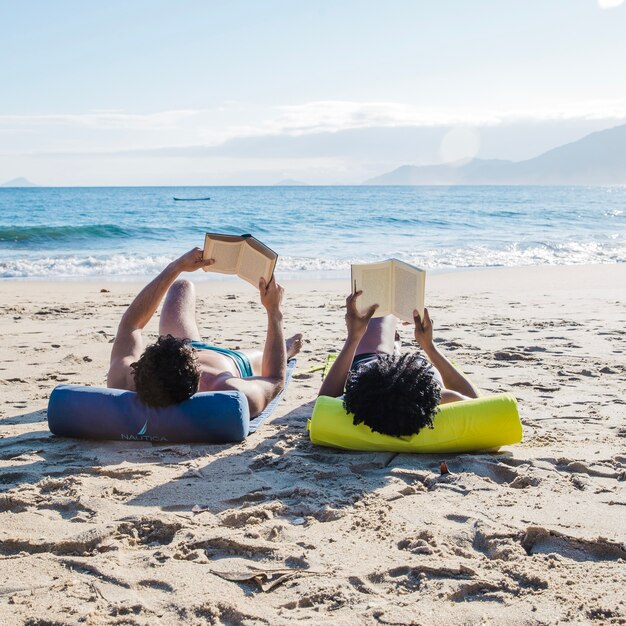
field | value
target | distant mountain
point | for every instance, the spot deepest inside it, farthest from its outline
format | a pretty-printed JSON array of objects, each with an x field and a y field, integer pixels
[
  {"x": 596, "y": 159},
  {"x": 18, "y": 182},
  {"x": 290, "y": 182}
]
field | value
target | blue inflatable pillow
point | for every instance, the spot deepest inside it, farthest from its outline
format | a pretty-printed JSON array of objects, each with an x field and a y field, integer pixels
[
  {"x": 102, "y": 413},
  {"x": 207, "y": 417}
]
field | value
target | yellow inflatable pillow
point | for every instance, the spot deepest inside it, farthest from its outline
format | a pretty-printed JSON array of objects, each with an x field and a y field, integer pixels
[{"x": 484, "y": 423}]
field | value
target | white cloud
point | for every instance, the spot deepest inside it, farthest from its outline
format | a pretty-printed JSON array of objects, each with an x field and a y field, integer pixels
[
  {"x": 330, "y": 116},
  {"x": 234, "y": 120}
]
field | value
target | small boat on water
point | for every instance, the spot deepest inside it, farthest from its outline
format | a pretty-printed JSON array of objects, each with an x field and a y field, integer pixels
[{"x": 189, "y": 199}]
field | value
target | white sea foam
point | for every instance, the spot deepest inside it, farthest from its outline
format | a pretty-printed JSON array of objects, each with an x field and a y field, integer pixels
[
  {"x": 125, "y": 267},
  {"x": 83, "y": 267}
]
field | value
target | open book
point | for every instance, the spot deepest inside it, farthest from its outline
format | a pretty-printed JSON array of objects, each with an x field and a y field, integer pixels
[
  {"x": 395, "y": 286},
  {"x": 242, "y": 255}
]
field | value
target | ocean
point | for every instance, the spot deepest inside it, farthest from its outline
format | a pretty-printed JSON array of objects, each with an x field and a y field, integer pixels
[{"x": 130, "y": 233}]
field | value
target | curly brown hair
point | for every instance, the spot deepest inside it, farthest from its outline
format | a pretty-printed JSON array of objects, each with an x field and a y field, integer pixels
[
  {"x": 167, "y": 372},
  {"x": 393, "y": 395}
]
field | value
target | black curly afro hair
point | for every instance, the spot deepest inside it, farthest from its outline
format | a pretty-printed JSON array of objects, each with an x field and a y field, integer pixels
[
  {"x": 394, "y": 395},
  {"x": 167, "y": 372}
]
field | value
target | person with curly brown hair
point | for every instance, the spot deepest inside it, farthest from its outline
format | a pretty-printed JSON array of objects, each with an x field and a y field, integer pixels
[
  {"x": 392, "y": 393},
  {"x": 180, "y": 363}
]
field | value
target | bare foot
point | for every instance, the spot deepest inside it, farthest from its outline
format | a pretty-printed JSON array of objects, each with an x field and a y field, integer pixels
[{"x": 293, "y": 345}]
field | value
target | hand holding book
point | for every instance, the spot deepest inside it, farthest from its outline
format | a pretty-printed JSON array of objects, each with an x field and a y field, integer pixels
[
  {"x": 243, "y": 255},
  {"x": 356, "y": 320},
  {"x": 424, "y": 330}
]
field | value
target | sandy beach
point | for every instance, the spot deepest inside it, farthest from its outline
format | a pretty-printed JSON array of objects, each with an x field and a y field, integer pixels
[{"x": 277, "y": 531}]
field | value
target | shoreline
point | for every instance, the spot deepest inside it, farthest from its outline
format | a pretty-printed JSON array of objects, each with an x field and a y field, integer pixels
[
  {"x": 302, "y": 277},
  {"x": 600, "y": 274}
]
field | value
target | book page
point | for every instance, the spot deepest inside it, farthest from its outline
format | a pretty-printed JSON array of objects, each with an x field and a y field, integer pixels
[
  {"x": 409, "y": 284},
  {"x": 225, "y": 252},
  {"x": 375, "y": 281},
  {"x": 254, "y": 265}
]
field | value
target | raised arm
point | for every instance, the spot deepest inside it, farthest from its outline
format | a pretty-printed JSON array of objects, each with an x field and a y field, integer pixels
[
  {"x": 457, "y": 387},
  {"x": 261, "y": 390},
  {"x": 356, "y": 324},
  {"x": 128, "y": 344}
]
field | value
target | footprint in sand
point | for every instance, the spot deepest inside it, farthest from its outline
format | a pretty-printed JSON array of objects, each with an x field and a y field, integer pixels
[
  {"x": 147, "y": 531},
  {"x": 539, "y": 540},
  {"x": 423, "y": 542},
  {"x": 496, "y": 472},
  {"x": 220, "y": 547},
  {"x": 82, "y": 543},
  {"x": 218, "y": 612},
  {"x": 252, "y": 515}
]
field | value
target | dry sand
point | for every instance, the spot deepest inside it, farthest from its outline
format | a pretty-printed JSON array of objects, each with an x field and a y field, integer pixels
[{"x": 105, "y": 533}]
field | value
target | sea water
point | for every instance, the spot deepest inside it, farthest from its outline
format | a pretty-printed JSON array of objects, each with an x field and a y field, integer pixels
[{"x": 132, "y": 232}]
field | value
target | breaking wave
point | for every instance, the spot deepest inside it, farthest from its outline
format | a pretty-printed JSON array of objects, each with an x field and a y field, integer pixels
[{"x": 122, "y": 266}]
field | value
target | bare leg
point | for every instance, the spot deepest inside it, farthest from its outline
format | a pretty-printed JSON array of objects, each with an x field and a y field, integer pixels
[
  {"x": 178, "y": 316},
  {"x": 293, "y": 345},
  {"x": 380, "y": 336}
]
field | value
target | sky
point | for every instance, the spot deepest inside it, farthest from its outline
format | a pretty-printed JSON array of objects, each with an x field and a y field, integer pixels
[{"x": 208, "y": 92}]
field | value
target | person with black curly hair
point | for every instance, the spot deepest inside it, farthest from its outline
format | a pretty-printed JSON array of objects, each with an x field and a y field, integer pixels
[
  {"x": 167, "y": 372},
  {"x": 392, "y": 393},
  {"x": 179, "y": 363}
]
